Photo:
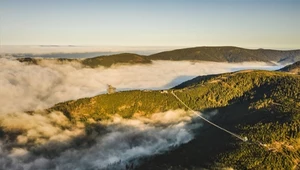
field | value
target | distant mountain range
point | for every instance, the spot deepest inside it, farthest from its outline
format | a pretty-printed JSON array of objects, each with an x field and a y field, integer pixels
[
  {"x": 213, "y": 54},
  {"x": 228, "y": 54}
]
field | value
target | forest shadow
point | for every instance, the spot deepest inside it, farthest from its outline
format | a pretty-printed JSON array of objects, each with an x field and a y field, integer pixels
[{"x": 209, "y": 141}]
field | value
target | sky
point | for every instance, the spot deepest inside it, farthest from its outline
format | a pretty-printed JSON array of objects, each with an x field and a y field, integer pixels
[{"x": 244, "y": 23}]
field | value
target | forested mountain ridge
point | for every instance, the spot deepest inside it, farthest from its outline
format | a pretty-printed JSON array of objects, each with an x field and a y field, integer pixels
[
  {"x": 261, "y": 105},
  {"x": 104, "y": 61},
  {"x": 123, "y": 58},
  {"x": 212, "y": 54},
  {"x": 228, "y": 54}
]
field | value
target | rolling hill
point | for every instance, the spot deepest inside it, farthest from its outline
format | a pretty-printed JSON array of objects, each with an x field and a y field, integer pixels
[
  {"x": 212, "y": 91},
  {"x": 267, "y": 113},
  {"x": 228, "y": 54},
  {"x": 261, "y": 105},
  {"x": 105, "y": 61}
]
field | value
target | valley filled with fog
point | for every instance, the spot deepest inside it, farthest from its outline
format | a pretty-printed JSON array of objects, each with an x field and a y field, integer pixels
[
  {"x": 43, "y": 140},
  {"x": 26, "y": 87}
]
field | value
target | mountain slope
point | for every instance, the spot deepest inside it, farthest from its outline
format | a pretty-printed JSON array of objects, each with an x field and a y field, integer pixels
[
  {"x": 261, "y": 105},
  {"x": 215, "y": 91},
  {"x": 267, "y": 114},
  {"x": 293, "y": 68},
  {"x": 228, "y": 54}
]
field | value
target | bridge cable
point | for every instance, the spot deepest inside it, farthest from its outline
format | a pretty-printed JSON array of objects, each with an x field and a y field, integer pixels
[{"x": 244, "y": 139}]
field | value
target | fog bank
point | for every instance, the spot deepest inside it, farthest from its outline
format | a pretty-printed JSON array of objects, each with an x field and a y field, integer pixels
[
  {"x": 50, "y": 141},
  {"x": 30, "y": 87}
]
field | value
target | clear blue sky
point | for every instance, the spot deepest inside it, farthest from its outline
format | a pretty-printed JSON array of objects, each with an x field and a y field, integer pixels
[{"x": 244, "y": 23}]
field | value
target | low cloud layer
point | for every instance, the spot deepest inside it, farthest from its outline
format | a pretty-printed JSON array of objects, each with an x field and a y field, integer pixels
[
  {"x": 30, "y": 87},
  {"x": 65, "y": 50},
  {"x": 50, "y": 141}
]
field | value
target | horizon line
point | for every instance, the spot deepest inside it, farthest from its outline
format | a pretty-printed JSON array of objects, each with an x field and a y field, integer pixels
[{"x": 77, "y": 49}]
